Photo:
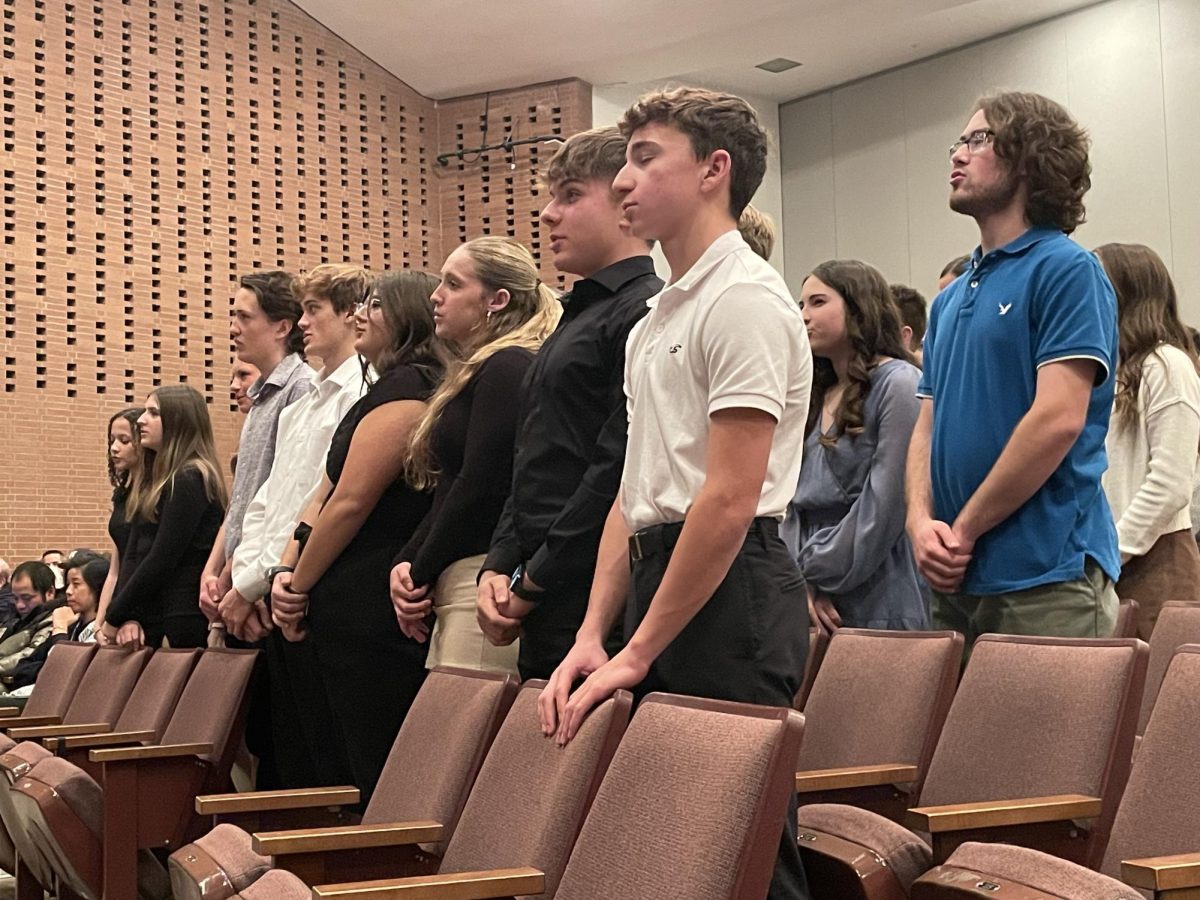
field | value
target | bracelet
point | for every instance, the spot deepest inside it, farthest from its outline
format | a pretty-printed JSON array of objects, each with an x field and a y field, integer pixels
[
  {"x": 216, "y": 626},
  {"x": 274, "y": 572}
]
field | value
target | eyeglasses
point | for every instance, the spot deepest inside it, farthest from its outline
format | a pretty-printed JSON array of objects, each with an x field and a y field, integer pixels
[
  {"x": 975, "y": 141},
  {"x": 368, "y": 303}
]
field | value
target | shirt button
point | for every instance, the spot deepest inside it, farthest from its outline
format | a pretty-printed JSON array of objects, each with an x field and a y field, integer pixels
[
  {"x": 660, "y": 329},
  {"x": 974, "y": 284}
]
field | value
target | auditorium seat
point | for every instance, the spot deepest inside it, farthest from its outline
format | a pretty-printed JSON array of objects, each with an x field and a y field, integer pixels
[
  {"x": 818, "y": 642},
  {"x": 1126, "y": 626},
  {"x": 429, "y": 773},
  {"x": 691, "y": 808},
  {"x": 93, "y": 831},
  {"x": 1178, "y": 624},
  {"x": 1038, "y": 738},
  {"x": 54, "y": 689},
  {"x": 1159, "y": 816},
  {"x": 874, "y": 716}
]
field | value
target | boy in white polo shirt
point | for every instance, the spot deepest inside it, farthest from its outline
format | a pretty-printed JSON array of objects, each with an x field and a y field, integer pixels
[{"x": 717, "y": 379}]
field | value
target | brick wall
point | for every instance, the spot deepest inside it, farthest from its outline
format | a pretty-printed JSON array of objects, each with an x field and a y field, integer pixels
[{"x": 153, "y": 149}]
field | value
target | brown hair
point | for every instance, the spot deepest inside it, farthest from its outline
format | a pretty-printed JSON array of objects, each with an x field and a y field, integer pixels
[
  {"x": 712, "y": 121},
  {"x": 343, "y": 285},
  {"x": 528, "y": 319},
  {"x": 958, "y": 265},
  {"x": 130, "y": 415},
  {"x": 912, "y": 308},
  {"x": 273, "y": 290},
  {"x": 757, "y": 230},
  {"x": 598, "y": 154},
  {"x": 1147, "y": 317},
  {"x": 873, "y": 329},
  {"x": 1046, "y": 148},
  {"x": 408, "y": 314},
  {"x": 187, "y": 441}
]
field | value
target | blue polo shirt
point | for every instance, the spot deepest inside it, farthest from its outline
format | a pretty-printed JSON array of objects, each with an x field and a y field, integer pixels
[{"x": 1041, "y": 298}]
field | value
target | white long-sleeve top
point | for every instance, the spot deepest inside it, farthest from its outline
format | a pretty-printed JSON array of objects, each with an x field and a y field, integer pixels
[{"x": 1152, "y": 462}]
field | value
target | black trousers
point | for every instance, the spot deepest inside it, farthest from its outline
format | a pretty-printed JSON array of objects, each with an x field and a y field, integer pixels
[
  {"x": 548, "y": 632},
  {"x": 748, "y": 643}
]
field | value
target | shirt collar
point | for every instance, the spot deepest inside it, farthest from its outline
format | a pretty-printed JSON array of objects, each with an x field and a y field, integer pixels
[
  {"x": 350, "y": 368},
  {"x": 729, "y": 242},
  {"x": 279, "y": 376},
  {"x": 1017, "y": 245},
  {"x": 609, "y": 280}
]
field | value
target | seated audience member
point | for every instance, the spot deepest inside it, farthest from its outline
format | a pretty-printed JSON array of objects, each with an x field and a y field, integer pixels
[
  {"x": 494, "y": 312},
  {"x": 913, "y": 315},
  {"x": 846, "y": 521},
  {"x": 124, "y": 456},
  {"x": 356, "y": 523},
  {"x": 175, "y": 505},
  {"x": 54, "y": 558},
  {"x": 952, "y": 270},
  {"x": 1153, "y": 436},
  {"x": 571, "y": 433},
  {"x": 7, "y": 610},
  {"x": 33, "y": 591},
  {"x": 76, "y": 621},
  {"x": 758, "y": 230}
]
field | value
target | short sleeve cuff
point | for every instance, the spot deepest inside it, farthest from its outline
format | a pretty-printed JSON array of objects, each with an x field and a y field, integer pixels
[
  {"x": 1095, "y": 355},
  {"x": 769, "y": 405}
]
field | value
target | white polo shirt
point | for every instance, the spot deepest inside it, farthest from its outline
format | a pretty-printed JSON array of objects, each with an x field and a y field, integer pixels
[
  {"x": 305, "y": 431},
  {"x": 727, "y": 335}
]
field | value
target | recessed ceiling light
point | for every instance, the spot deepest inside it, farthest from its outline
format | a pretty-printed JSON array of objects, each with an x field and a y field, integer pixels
[{"x": 778, "y": 64}]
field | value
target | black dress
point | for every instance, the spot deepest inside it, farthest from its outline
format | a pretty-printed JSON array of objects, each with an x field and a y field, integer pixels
[
  {"x": 158, "y": 585},
  {"x": 118, "y": 525},
  {"x": 372, "y": 672}
]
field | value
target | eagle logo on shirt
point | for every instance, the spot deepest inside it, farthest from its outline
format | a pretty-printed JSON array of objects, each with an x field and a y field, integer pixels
[{"x": 1004, "y": 308}]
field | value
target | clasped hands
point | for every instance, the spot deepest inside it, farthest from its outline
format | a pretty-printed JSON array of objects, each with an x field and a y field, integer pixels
[{"x": 942, "y": 552}]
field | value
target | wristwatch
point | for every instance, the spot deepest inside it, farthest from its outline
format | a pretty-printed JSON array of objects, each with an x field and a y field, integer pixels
[
  {"x": 516, "y": 585},
  {"x": 273, "y": 572}
]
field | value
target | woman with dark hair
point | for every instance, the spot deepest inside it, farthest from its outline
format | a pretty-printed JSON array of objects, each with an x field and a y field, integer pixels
[
  {"x": 359, "y": 518},
  {"x": 175, "y": 505},
  {"x": 1153, "y": 437},
  {"x": 124, "y": 457},
  {"x": 846, "y": 521}
]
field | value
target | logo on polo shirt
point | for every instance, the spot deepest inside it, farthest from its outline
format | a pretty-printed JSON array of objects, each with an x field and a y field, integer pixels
[
  {"x": 675, "y": 348},
  {"x": 1004, "y": 308}
]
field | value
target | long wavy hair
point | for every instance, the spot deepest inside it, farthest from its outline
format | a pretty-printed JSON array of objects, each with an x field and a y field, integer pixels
[
  {"x": 526, "y": 321},
  {"x": 120, "y": 480},
  {"x": 408, "y": 315},
  {"x": 187, "y": 441},
  {"x": 1147, "y": 318},
  {"x": 873, "y": 330}
]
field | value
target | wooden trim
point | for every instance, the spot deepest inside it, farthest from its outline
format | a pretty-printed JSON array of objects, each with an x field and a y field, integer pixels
[
  {"x": 458, "y": 886},
  {"x": 346, "y": 837},
  {"x": 154, "y": 751},
  {"x": 994, "y": 814},
  {"x": 36, "y": 734},
  {"x": 854, "y": 777},
  {"x": 1162, "y": 873},
  {"x": 30, "y": 722},
  {"x": 6, "y": 711},
  {"x": 265, "y": 801},
  {"x": 105, "y": 739}
]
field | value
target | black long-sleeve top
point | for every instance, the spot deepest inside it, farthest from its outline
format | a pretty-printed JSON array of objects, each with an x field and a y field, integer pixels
[
  {"x": 573, "y": 427},
  {"x": 161, "y": 561},
  {"x": 472, "y": 446}
]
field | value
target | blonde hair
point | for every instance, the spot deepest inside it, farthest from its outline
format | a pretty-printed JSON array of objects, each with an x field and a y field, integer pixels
[
  {"x": 526, "y": 321},
  {"x": 187, "y": 440},
  {"x": 757, "y": 230}
]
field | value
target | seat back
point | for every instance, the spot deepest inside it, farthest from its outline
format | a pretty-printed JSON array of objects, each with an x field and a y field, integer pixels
[
  {"x": 1178, "y": 624},
  {"x": 59, "y": 678},
  {"x": 458, "y": 711},
  {"x": 157, "y": 691},
  {"x": 818, "y": 643},
  {"x": 710, "y": 782},
  {"x": 534, "y": 792},
  {"x": 212, "y": 708},
  {"x": 880, "y": 697},
  {"x": 106, "y": 685},
  {"x": 1127, "y": 614},
  {"x": 1159, "y": 813}
]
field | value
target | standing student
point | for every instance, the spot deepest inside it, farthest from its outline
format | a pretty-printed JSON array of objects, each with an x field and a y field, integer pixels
[
  {"x": 1007, "y": 518},
  {"x": 1154, "y": 436},
  {"x": 175, "y": 505},
  {"x": 494, "y": 311},
  {"x": 241, "y": 379},
  {"x": 265, "y": 333},
  {"x": 846, "y": 521},
  {"x": 718, "y": 378},
  {"x": 359, "y": 518},
  {"x": 914, "y": 316},
  {"x": 124, "y": 458},
  {"x": 572, "y": 428}
]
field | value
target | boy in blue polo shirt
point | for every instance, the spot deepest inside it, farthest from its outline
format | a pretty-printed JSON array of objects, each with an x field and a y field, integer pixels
[{"x": 1005, "y": 510}]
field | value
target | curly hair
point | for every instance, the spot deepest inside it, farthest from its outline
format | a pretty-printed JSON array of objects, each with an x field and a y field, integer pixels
[
  {"x": 1147, "y": 318},
  {"x": 873, "y": 329},
  {"x": 1046, "y": 148}
]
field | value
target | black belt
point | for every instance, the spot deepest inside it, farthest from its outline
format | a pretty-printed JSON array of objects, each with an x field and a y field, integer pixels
[{"x": 662, "y": 538}]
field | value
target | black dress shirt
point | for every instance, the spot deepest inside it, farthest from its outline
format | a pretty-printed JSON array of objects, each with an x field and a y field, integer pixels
[{"x": 570, "y": 447}]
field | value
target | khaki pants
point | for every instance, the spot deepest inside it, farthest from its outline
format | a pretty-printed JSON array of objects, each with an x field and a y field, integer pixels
[
  {"x": 1085, "y": 607},
  {"x": 457, "y": 639}
]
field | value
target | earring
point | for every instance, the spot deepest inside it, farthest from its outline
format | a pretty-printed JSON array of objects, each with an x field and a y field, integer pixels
[{"x": 489, "y": 313}]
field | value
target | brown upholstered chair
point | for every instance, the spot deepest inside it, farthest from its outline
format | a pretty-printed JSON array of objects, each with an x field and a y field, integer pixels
[
  {"x": 428, "y": 776},
  {"x": 818, "y": 643},
  {"x": 874, "y": 716},
  {"x": 1039, "y": 737},
  {"x": 1127, "y": 619},
  {"x": 57, "y": 682},
  {"x": 1178, "y": 624},
  {"x": 691, "y": 807},
  {"x": 92, "y": 830},
  {"x": 1155, "y": 836}
]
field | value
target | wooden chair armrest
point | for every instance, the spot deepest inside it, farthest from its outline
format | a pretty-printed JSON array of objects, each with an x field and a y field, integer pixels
[
  {"x": 345, "y": 837},
  {"x": 268, "y": 801},
  {"x": 1162, "y": 873},
  {"x": 37, "y": 734},
  {"x": 29, "y": 722},
  {"x": 998, "y": 813},
  {"x": 107, "y": 739},
  {"x": 854, "y": 777},
  {"x": 454, "y": 886},
  {"x": 6, "y": 711},
  {"x": 154, "y": 751}
]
